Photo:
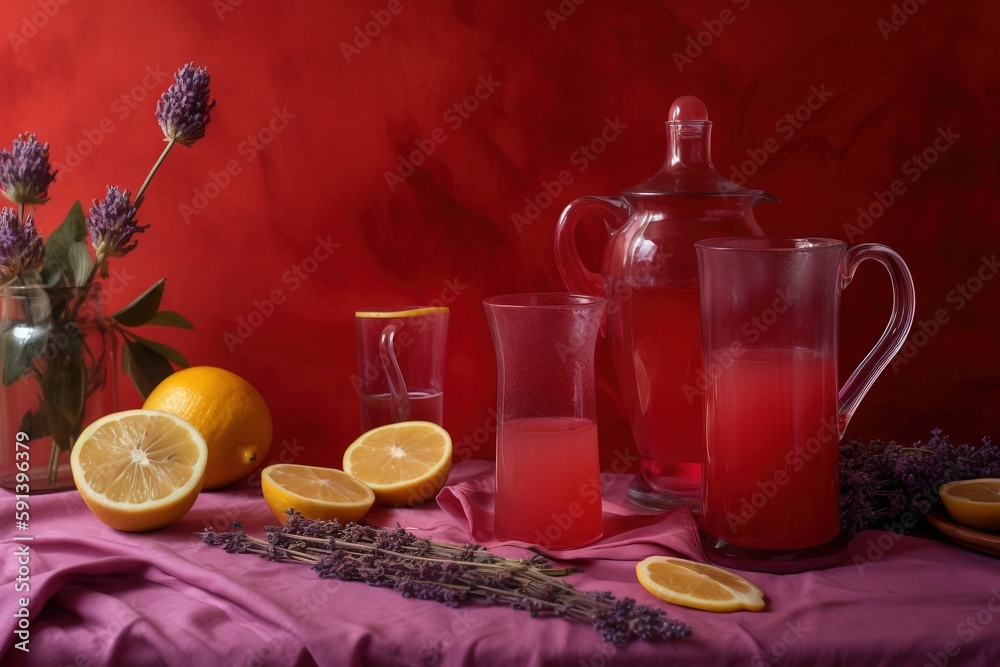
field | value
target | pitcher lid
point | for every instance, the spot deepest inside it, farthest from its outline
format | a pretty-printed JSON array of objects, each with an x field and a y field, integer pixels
[{"x": 688, "y": 167}]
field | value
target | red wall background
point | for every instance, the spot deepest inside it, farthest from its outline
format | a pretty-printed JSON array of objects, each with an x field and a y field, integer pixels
[{"x": 308, "y": 129}]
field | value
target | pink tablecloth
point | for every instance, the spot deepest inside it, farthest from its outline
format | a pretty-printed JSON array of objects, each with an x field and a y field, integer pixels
[{"x": 100, "y": 597}]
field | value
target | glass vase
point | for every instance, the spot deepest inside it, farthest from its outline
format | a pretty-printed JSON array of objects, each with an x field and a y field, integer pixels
[{"x": 57, "y": 357}]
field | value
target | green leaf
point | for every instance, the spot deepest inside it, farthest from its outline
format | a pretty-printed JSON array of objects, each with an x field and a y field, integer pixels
[
  {"x": 64, "y": 390},
  {"x": 80, "y": 263},
  {"x": 168, "y": 318},
  {"x": 73, "y": 229},
  {"x": 163, "y": 350},
  {"x": 146, "y": 367},
  {"x": 36, "y": 424},
  {"x": 144, "y": 308}
]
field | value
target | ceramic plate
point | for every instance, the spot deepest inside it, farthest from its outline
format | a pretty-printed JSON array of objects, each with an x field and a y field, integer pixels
[{"x": 968, "y": 537}]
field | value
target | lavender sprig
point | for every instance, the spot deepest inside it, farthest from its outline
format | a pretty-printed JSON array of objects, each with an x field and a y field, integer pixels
[
  {"x": 890, "y": 487},
  {"x": 182, "y": 111},
  {"x": 21, "y": 247},
  {"x": 112, "y": 225},
  {"x": 25, "y": 172},
  {"x": 448, "y": 573}
]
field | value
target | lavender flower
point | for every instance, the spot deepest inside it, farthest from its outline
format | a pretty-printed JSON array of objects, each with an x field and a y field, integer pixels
[
  {"x": 890, "y": 487},
  {"x": 20, "y": 245},
  {"x": 25, "y": 171},
  {"x": 112, "y": 224},
  {"x": 452, "y": 574},
  {"x": 183, "y": 111}
]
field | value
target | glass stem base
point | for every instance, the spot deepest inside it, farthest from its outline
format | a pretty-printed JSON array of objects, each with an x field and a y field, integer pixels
[
  {"x": 819, "y": 557},
  {"x": 664, "y": 485}
]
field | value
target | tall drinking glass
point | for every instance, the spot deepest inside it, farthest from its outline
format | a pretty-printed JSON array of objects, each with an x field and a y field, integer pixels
[
  {"x": 548, "y": 473},
  {"x": 773, "y": 412}
]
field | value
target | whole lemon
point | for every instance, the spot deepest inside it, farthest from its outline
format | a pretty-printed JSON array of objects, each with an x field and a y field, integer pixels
[{"x": 228, "y": 412}]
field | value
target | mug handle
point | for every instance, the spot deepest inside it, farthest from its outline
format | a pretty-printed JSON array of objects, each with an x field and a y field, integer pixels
[
  {"x": 394, "y": 376},
  {"x": 903, "y": 308}
]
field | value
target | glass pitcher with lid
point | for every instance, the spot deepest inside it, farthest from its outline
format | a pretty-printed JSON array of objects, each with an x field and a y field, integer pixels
[{"x": 650, "y": 280}]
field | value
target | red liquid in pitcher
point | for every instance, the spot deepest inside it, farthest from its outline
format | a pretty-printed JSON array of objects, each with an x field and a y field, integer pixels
[
  {"x": 666, "y": 346},
  {"x": 548, "y": 482},
  {"x": 771, "y": 471}
]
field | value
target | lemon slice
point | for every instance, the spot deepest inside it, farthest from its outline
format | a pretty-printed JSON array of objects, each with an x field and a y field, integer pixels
[
  {"x": 697, "y": 585},
  {"x": 139, "y": 469},
  {"x": 393, "y": 314},
  {"x": 974, "y": 502},
  {"x": 404, "y": 464},
  {"x": 317, "y": 493}
]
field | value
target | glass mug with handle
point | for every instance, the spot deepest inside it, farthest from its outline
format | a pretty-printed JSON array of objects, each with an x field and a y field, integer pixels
[
  {"x": 401, "y": 364},
  {"x": 773, "y": 413}
]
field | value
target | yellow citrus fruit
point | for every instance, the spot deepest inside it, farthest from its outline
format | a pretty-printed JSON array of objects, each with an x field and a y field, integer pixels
[
  {"x": 139, "y": 469},
  {"x": 404, "y": 464},
  {"x": 316, "y": 493},
  {"x": 974, "y": 502},
  {"x": 697, "y": 585},
  {"x": 230, "y": 414}
]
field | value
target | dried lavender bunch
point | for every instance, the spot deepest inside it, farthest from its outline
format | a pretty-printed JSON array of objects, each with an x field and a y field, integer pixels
[
  {"x": 891, "y": 487},
  {"x": 448, "y": 573}
]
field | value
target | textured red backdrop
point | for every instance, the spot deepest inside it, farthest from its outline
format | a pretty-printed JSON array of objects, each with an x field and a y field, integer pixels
[{"x": 302, "y": 160}]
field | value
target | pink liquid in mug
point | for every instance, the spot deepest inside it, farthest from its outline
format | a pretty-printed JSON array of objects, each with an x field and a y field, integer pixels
[
  {"x": 666, "y": 352},
  {"x": 771, "y": 470},
  {"x": 378, "y": 410},
  {"x": 548, "y": 482}
]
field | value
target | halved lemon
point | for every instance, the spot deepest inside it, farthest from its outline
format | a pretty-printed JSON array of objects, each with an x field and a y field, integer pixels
[
  {"x": 316, "y": 493},
  {"x": 404, "y": 464},
  {"x": 974, "y": 502},
  {"x": 697, "y": 585},
  {"x": 139, "y": 469}
]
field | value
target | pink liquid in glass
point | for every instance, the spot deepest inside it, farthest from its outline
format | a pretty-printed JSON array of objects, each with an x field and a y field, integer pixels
[
  {"x": 377, "y": 409},
  {"x": 665, "y": 349},
  {"x": 771, "y": 472},
  {"x": 548, "y": 482}
]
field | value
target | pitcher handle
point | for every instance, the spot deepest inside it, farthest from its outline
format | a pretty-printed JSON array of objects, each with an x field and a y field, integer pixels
[
  {"x": 903, "y": 307},
  {"x": 576, "y": 276}
]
